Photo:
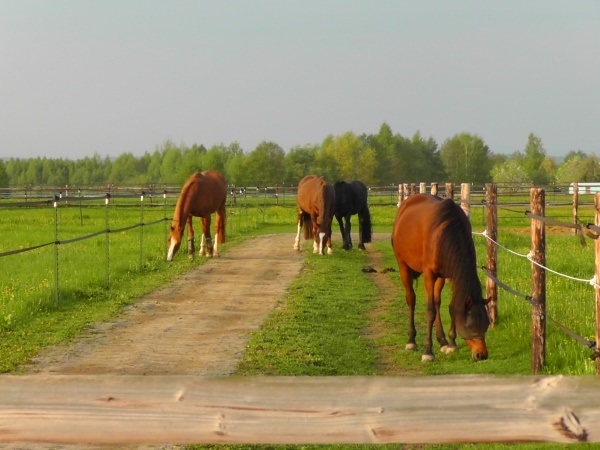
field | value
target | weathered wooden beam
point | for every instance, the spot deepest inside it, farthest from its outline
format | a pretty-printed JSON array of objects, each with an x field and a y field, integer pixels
[{"x": 296, "y": 410}]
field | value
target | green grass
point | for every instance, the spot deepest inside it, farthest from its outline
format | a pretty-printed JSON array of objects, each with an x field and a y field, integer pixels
[
  {"x": 318, "y": 328},
  {"x": 318, "y": 331}
]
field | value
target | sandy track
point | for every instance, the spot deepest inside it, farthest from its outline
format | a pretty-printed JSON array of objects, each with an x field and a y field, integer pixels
[{"x": 196, "y": 325}]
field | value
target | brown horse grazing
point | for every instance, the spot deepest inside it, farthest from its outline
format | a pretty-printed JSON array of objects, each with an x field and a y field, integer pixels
[
  {"x": 433, "y": 237},
  {"x": 202, "y": 194},
  {"x": 316, "y": 201}
]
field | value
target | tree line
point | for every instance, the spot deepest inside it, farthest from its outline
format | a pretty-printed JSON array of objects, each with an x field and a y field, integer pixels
[{"x": 376, "y": 159}]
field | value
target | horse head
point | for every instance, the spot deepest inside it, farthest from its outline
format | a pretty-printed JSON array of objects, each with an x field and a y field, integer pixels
[
  {"x": 472, "y": 327},
  {"x": 174, "y": 240}
]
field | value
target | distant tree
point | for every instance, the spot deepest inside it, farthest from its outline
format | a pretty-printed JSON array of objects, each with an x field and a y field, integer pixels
[
  {"x": 216, "y": 158},
  {"x": 347, "y": 151},
  {"x": 14, "y": 168},
  {"x": 265, "y": 164},
  {"x": 299, "y": 162},
  {"x": 191, "y": 161},
  {"x": 510, "y": 172},
  {"x": 33, "y": 173},
  {"x": 124, "y": 170},
  {"x": 578, "y": 167},
  {"x": 153, "y": 171},
  {"x": 235, "y": 170},
  {"x": 3, "y": 175},
  {"x": 428, "y": 162},
  {"x": 533, "y": 161},
  {"x": 466, "y": 159},
  {"x": 171, "y": 164},
  {"x": 383, "y": 143}
]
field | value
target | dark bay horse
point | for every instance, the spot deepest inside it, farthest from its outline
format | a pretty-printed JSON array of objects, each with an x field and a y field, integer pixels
[
  {"x": 352, "y": 198},
  {"x": 433, "y": 237},
  {"x": 202, "y": 194},
  {"x": 315, "y": 200}
]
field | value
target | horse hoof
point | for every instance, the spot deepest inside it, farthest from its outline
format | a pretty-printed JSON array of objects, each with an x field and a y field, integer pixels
[
  {"x": 411, "y": 346},
  {"x": 426, "y": 358},
  {"x": 330, "y": 251},
  {"x": 447, "y": 349}
]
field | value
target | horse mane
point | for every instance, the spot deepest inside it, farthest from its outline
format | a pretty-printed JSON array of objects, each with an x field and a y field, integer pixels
[
  {"x": 179, "y": 210},
  {"x": 457, "y": 252}
]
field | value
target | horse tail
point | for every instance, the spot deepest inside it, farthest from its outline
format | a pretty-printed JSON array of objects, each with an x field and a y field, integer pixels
[
  {"x": 327, "y": 208},
  {"x": 365, "y": 225},
  {"x": 308, "y": 229}
]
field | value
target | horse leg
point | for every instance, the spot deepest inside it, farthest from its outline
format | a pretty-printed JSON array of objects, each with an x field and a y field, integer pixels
[
  {"x": 348, "y": 241},
  {"x": 439, "y": 328},
  {"x": 300, "y": 223},
  {"x": 361, "y": 244},
  {"x": 220, "y": 225},
  {"x": 328, "y": 241},
  {"x": 407, "y": 280},
  {"x": 318, "y": 240},
  {"x": 191, "y": 248},
  {"x": 202, "y": 251},
  {"x": 206, "y": 232},
  {"x": 342, "y": 230},
  {"x": 429, "y": 281}
]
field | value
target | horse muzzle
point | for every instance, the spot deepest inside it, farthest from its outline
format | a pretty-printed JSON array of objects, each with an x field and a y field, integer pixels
[{"x": 478, "y": 349}]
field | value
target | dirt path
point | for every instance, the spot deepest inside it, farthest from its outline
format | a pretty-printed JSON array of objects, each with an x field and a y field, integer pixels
[{"x": 196, "y": 325}]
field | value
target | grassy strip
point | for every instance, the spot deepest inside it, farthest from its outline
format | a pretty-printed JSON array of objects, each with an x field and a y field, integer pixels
[{"x": 317, "y": 329}]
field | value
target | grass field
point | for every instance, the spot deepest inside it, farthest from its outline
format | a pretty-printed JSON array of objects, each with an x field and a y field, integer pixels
[{"x": 318, "y": 330}]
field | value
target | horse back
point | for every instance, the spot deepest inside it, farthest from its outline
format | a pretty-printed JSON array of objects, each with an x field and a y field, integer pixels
[
  {"x": 316, "y": 196},
  {"x": 204, "y": 193},
  {"x": 417, "y": 232}
]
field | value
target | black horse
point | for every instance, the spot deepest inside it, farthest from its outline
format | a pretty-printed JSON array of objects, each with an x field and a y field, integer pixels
[{"x": 352, "y": 198}]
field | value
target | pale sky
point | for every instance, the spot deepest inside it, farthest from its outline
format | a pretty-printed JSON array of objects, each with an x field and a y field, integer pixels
[{"x": 79, "y": 77}]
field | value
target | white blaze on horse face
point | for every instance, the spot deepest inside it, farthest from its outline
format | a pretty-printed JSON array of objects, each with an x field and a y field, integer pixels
[
  {"x": 321, "y": 236},
  {"x": 171, "y": 251}
]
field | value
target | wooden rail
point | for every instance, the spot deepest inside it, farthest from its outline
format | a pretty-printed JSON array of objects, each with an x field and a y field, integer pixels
[{"x": 296, "y": 410}]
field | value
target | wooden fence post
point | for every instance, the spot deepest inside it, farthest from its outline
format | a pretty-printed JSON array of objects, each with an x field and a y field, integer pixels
[
  {"x": 434, "y": 189},
  {"x": 422, "y": 188},
  {"x": 400, "y": 195},
  {"x": 491, "y": 230},
  {"x": 405, "y": 191},
  {"x": 450, "y": 191},
  {"x": 413, "y": 188},
  {"x": 538, "y": 280},
  {"x": 575, "y": 204},
  {"x": 597, "y": 276},
  {"x": 465, "y": 196}
]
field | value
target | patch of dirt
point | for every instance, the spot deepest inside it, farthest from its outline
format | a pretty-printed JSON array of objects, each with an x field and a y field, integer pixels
[{"x": 196, "y": 325}]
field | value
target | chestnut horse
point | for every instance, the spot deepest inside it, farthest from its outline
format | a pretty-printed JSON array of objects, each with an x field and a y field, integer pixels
[
  {"x": 202, "y": 194},
  {"x": 315, "y": 200},
  {"x": 433, "y": 237},
  {"x": 352, "y": 198}
]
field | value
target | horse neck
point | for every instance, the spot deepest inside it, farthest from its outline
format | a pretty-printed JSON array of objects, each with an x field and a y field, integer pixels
[{"x": 181, "y": 214}]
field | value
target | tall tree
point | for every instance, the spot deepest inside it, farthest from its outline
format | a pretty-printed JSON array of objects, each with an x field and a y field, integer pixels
[
  {"x": 265, "y": 164},
  {"x": 466, "y": 159},
  {"x": 299, "y": 162},
  {"x": 533, "y": 161}
]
